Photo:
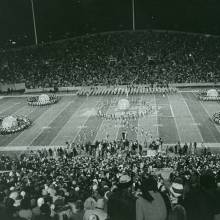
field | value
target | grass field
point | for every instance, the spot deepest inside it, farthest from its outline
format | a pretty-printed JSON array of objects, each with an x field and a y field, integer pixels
[{"x": 179, "y": 117}]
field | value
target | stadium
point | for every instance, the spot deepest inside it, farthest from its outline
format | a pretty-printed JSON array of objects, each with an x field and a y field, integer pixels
[{"x": 109, "y": 111}]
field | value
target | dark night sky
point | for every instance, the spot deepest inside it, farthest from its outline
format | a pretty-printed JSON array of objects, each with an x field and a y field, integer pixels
[{"x": 57, "y": 19}]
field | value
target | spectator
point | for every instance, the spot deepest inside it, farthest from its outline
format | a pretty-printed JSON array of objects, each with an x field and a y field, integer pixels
[
  {"x": 77, "y": 211},
  {"x": 200, "y": 202},
  {"x": 121, "y": 204},
  {"x": 98, "y": 211},
  {"x": 36, "y": 210},
  {"x": 45, "y": 213},
  {"x": 3, "y": 213},
  {"x": 178, "y": 213},
  {"x": 89, "y": 204},
  {"x": 176, "y": 191},
  {"x": 150, "y": 205},
  {"x": 25, "y": 209}
]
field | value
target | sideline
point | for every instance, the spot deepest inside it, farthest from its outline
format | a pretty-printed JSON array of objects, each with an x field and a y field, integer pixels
[
  {"x": 70, "y": 94},
  {"x": 211, "y": 146}
]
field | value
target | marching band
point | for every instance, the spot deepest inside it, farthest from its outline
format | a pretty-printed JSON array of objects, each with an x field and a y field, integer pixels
[{"x": 128, "y": 90}]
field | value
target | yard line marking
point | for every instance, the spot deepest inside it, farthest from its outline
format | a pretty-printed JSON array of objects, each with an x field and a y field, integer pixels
[
  {"x": 147, "y": 124},
  {"x": 107, "y": 124},
  {"x": 155, "y": 104},
  {"x": 210, "y": 116},
  {"x": 50, "y": 121},
  {"x": 194, "y": 122},
  {"x": 162, "y": 104},
  {"x": 171, "y": 109},
  {"x": 79, "y": 130},
  {"x": 117, "y": 131},
  {"x": 101, "y": 127},
  {"x": 83, "y": 125},
  {"x": 172, "y": 113},
  {"x": 5, "y": 101},
  {"x": 21, "y": 109},
  {"x": 36, "y": 126},
  {"x": 11, "y": 106},
  {"x": 26, "y": 115},
  {"x": 21, "y": 133},
  {"x": 139, "y": 137},
  {"x": 118, "y": 128},
  {"x": 115, "y": 124},
  {"x": 73, "y": 116}
]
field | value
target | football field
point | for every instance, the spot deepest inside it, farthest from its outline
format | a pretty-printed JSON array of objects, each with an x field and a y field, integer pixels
[{"x": 177, "y": 117}]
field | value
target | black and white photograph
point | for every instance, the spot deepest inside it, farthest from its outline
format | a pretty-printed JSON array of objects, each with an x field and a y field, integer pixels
[{"x": 109, "y": 110}]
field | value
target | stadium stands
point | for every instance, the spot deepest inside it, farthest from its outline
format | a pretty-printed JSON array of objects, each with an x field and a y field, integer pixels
[
  {"x": 113, "y": 180},
  {"x": 60, "y": 181},
  {"x": 115, "y": 58}
]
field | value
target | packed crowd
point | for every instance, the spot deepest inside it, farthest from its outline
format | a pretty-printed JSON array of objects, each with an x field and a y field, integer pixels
[
  {"x": 118, "y": 183},
  {"x": 115, "y": 58}
]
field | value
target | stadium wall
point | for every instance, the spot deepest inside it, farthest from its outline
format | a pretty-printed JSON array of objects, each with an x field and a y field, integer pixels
[{"x": 20, "y": 87}]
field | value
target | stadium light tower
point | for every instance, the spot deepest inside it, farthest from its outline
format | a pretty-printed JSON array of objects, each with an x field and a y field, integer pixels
[
  {"x": 34, "y": 23},
  {"x": 133, "y": 15}
]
